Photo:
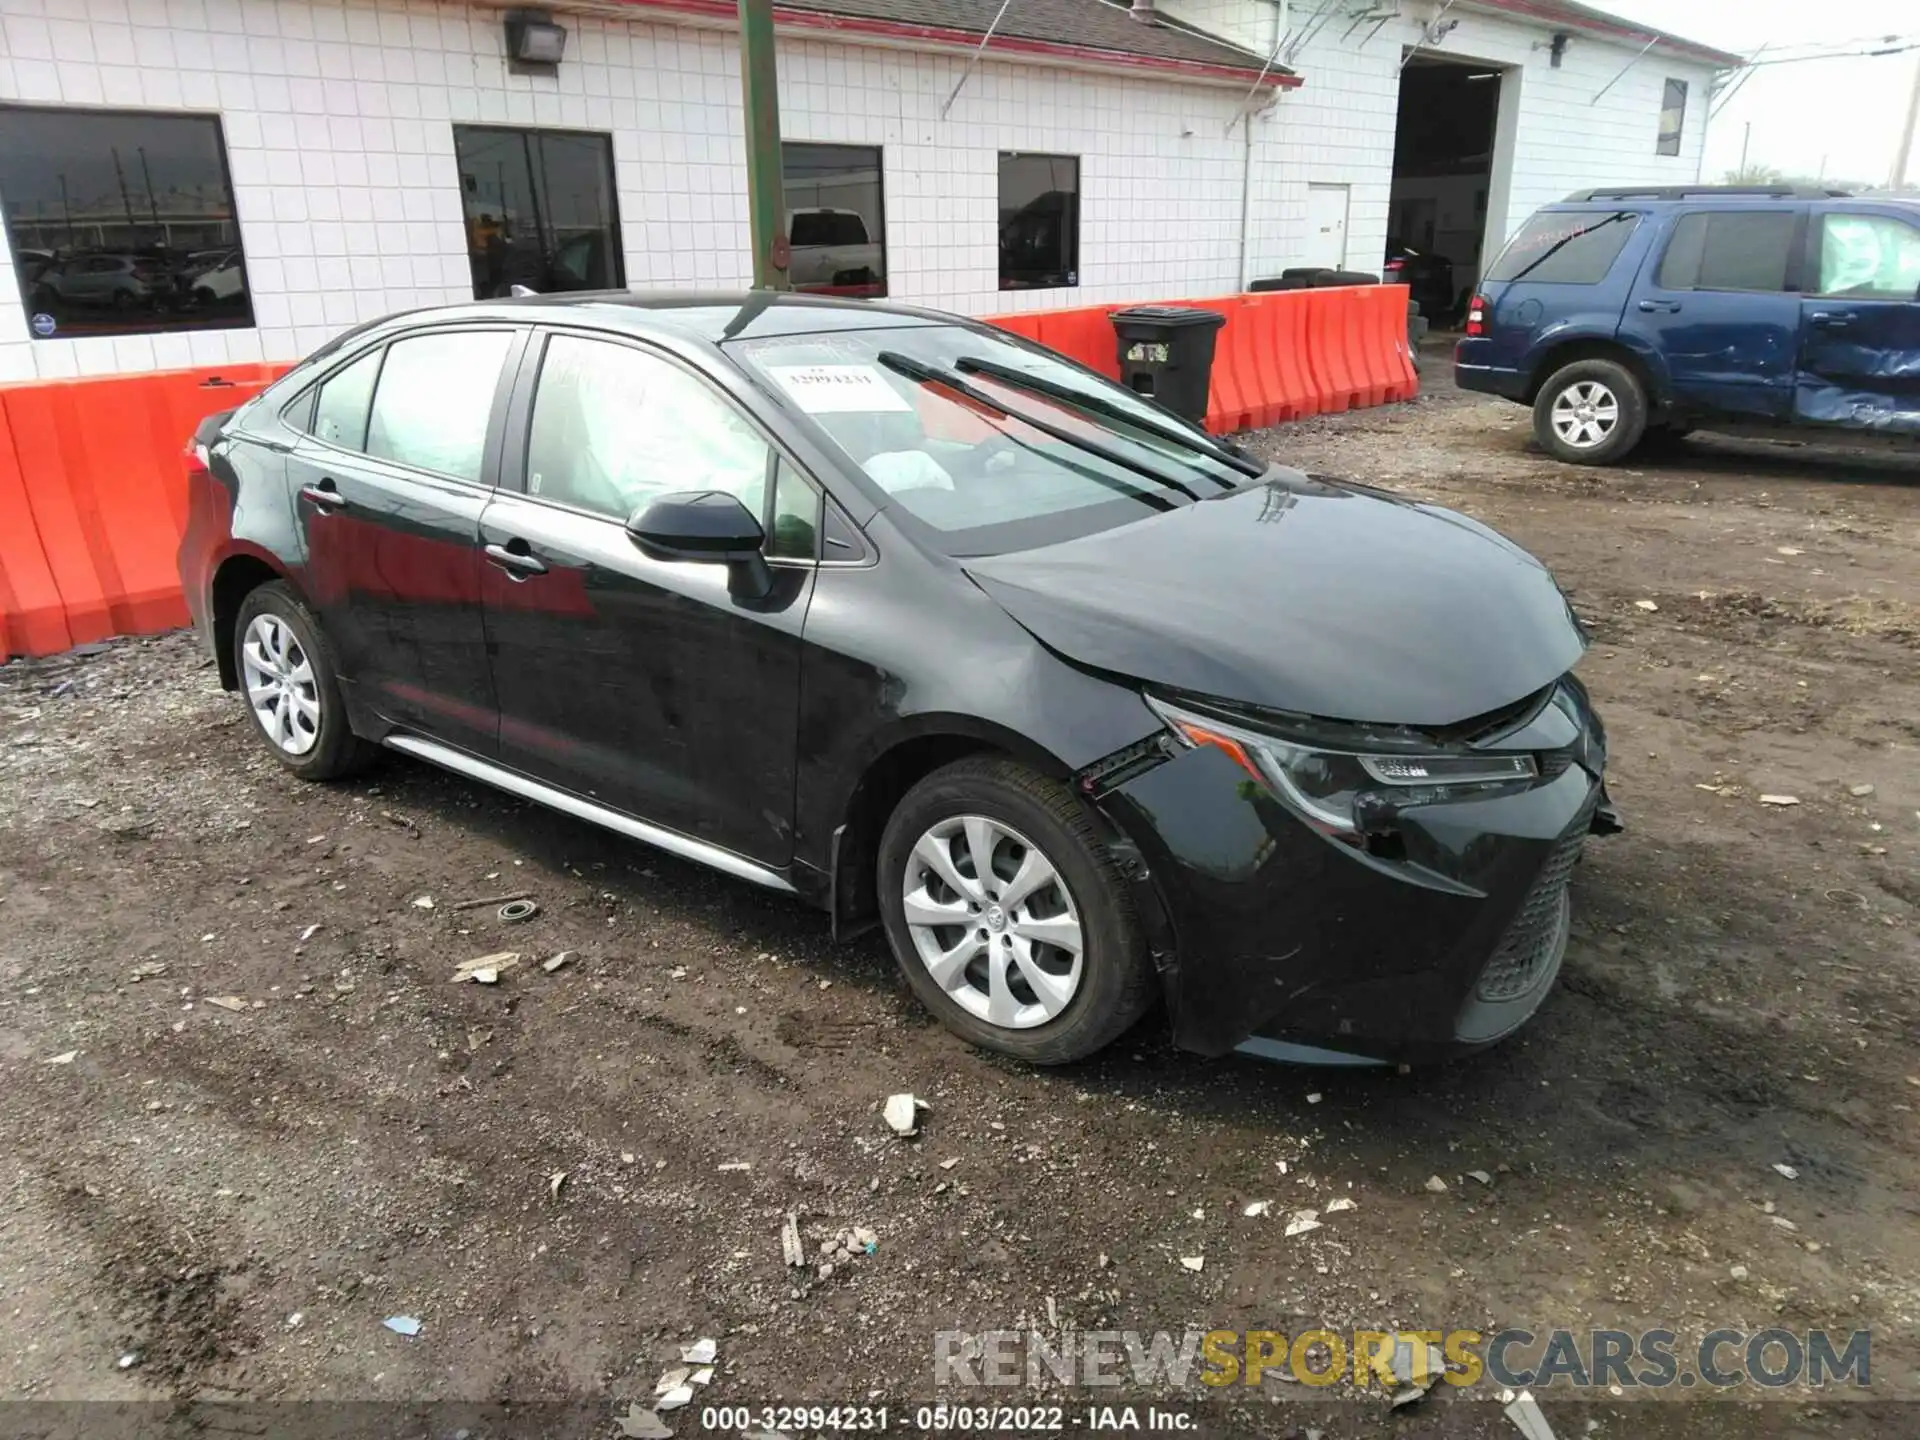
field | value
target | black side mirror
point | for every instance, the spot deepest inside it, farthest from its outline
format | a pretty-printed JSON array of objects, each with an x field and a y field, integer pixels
[{"x": 705, "y": 525}]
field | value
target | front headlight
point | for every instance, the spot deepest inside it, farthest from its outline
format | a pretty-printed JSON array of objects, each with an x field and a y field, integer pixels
[{"x": 1340, "y": 790}]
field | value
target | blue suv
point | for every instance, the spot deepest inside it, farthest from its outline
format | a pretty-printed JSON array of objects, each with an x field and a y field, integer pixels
[{"x": 1630, "y": 315}]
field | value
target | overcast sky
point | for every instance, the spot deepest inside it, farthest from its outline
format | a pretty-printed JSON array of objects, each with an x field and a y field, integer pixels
[{"x": 1845, "y": 112}]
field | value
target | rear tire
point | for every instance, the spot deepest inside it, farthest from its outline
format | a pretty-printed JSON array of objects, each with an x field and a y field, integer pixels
[
  {"x": 291, "y": 688},
  {"x": 1008, "y": 986},
  {"x": 1591, "y": 412}
]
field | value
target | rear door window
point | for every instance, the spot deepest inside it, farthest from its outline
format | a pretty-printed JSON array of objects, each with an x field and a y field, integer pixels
[
  {"x": 1729, "y": 250},
  {"x": 1566, "y": 247},
  {"x": 435, "y": 396}
]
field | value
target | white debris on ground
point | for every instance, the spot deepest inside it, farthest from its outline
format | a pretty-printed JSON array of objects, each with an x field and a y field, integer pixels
[
  {"x": 902, "y": 1113},
  {"x": 486, "y": 969}
]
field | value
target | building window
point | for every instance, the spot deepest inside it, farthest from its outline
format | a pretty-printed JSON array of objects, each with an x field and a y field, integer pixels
[
  {"x": 121, "y": 222},
  {"x": 1673, "y": 117},
  {"x": 540, "y": 210},
  {"x": 836, "y": 219},
  {"x": 1039, "y": 221}
]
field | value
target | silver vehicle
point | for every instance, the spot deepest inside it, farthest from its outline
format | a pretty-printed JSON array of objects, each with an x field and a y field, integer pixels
[
  {"x": 119, "y": 281},
  {"x": 833, "y": 252}
]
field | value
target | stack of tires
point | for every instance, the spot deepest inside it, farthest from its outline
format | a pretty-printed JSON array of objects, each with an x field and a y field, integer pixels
[{"x": 1312, "y": 277}]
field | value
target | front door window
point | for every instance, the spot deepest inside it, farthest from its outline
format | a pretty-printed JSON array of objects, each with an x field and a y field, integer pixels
[
  {"x": 1869, "y": 257},
  {"x": 615, "y": 427}
]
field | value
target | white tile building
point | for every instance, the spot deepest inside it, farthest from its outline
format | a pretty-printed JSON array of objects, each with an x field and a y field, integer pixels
[
  {"x": 1555, "y": 135},
  {"x": 337, "y": 122}
]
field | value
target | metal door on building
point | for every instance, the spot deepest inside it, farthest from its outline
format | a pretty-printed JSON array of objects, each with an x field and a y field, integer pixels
[{"x": 1326, "y": 226}]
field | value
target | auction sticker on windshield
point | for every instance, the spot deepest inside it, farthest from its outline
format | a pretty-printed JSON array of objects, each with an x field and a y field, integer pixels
[{"x": 838, "y": 389}]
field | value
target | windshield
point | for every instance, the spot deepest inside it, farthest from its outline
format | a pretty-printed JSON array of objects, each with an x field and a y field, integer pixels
[{"x": 976, "y": 462}]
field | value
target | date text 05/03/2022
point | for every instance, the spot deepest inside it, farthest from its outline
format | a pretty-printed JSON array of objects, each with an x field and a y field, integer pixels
[{"x": 948, "y": 1419}]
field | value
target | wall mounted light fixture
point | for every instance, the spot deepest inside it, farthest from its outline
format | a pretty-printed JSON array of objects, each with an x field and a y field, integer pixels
[{"x": 534, "y": 43}]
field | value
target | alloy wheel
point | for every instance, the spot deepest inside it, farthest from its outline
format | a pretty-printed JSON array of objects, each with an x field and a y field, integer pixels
[
  {"x": 1585, "y": 413},
  {"x": 280, "y": 684},
  {"x": 993, "y": 921}
]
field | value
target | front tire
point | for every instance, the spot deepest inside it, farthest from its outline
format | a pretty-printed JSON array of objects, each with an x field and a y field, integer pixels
[
  {"x": 1008, "y": 916},
  {"x": 1591, "y": 412},
  {"x": 290, "y": 686}
]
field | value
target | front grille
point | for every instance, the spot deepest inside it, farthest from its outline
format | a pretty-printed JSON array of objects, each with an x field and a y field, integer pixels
[{"x": 1529, "y": 945}]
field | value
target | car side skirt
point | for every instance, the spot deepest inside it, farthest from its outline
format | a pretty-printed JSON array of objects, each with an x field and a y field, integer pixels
[{"x": 514, "y": 783}]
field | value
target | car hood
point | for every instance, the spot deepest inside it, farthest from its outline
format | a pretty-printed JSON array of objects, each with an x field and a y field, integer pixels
[{"x": 1303, "y": 595}]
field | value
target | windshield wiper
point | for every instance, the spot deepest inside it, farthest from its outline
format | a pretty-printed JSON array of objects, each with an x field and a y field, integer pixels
[
  {"x": 918, "y": 370},
  {"x": 1099, "y": 405},
  {"x": 1561, "y": 244}
]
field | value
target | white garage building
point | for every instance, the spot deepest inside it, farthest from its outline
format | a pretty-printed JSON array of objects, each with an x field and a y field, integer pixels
[{"x": 208, "y": 182}]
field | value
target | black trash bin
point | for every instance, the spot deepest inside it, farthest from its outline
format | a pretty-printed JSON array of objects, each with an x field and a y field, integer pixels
[{"x": 1166, "y": 351}]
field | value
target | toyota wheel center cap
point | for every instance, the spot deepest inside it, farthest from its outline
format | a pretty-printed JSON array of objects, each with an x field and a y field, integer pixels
[{"x": 996, "y": 918}]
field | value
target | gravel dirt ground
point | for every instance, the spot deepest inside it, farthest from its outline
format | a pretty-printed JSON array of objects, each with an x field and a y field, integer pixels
[{"x": 247, "y": 1116}]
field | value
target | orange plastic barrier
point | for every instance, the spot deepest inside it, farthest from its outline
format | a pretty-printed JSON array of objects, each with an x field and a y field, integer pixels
[
  {"x": 93, "y": 501},
  {"x": 1281, "y": 355},
  {"x": 1387, "y": 334},
  {"x": 1025, "y": 324},
  {"x": 33, "y": 621}
]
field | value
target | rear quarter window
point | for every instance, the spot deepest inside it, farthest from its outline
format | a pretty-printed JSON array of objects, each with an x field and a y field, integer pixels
[{"x": 1566, "y": 247}]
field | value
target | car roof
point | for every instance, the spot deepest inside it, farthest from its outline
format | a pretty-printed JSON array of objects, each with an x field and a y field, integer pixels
[
  {"x": 1744, "y": 196},
  {"x": 709, "y": 316}
]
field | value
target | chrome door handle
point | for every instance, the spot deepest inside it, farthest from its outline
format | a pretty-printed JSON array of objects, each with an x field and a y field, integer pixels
[
  {"x": 517, "y": 563},
  {"x": 1832, "y": 319},
  {"x": 323, "y": 495},
  {"x": 1671, "y": 307}
]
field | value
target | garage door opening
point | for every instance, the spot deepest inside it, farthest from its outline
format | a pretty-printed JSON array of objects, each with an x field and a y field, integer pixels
[{"x": 1444, "y": 164}]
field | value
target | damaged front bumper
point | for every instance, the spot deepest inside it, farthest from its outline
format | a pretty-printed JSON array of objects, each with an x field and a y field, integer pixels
[{"x": 1275, "y": 940}]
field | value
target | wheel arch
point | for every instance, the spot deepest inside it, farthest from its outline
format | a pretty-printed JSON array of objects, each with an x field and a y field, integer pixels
[
  {"x": 238, "y": 575},
  {"x": 1598, "y": 347},
  {"x": 897, "y": 761}
]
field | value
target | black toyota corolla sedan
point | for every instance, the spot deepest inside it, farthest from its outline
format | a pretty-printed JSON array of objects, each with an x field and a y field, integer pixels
[{"x": 927, "y": 625}]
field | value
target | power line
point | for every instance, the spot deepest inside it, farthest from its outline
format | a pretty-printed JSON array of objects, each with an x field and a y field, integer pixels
[
  {"x": 1887, "y": 45},
  {"x": 1857, "y": 42},
  {"x": 1892, "y": 45}
]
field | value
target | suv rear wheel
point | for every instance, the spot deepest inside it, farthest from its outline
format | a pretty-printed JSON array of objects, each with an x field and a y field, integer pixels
[{"x": 1591, "y": 412}]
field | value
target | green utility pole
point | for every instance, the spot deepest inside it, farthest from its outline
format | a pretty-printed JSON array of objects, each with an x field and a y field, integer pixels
[{"x": 760, "y": 94}]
